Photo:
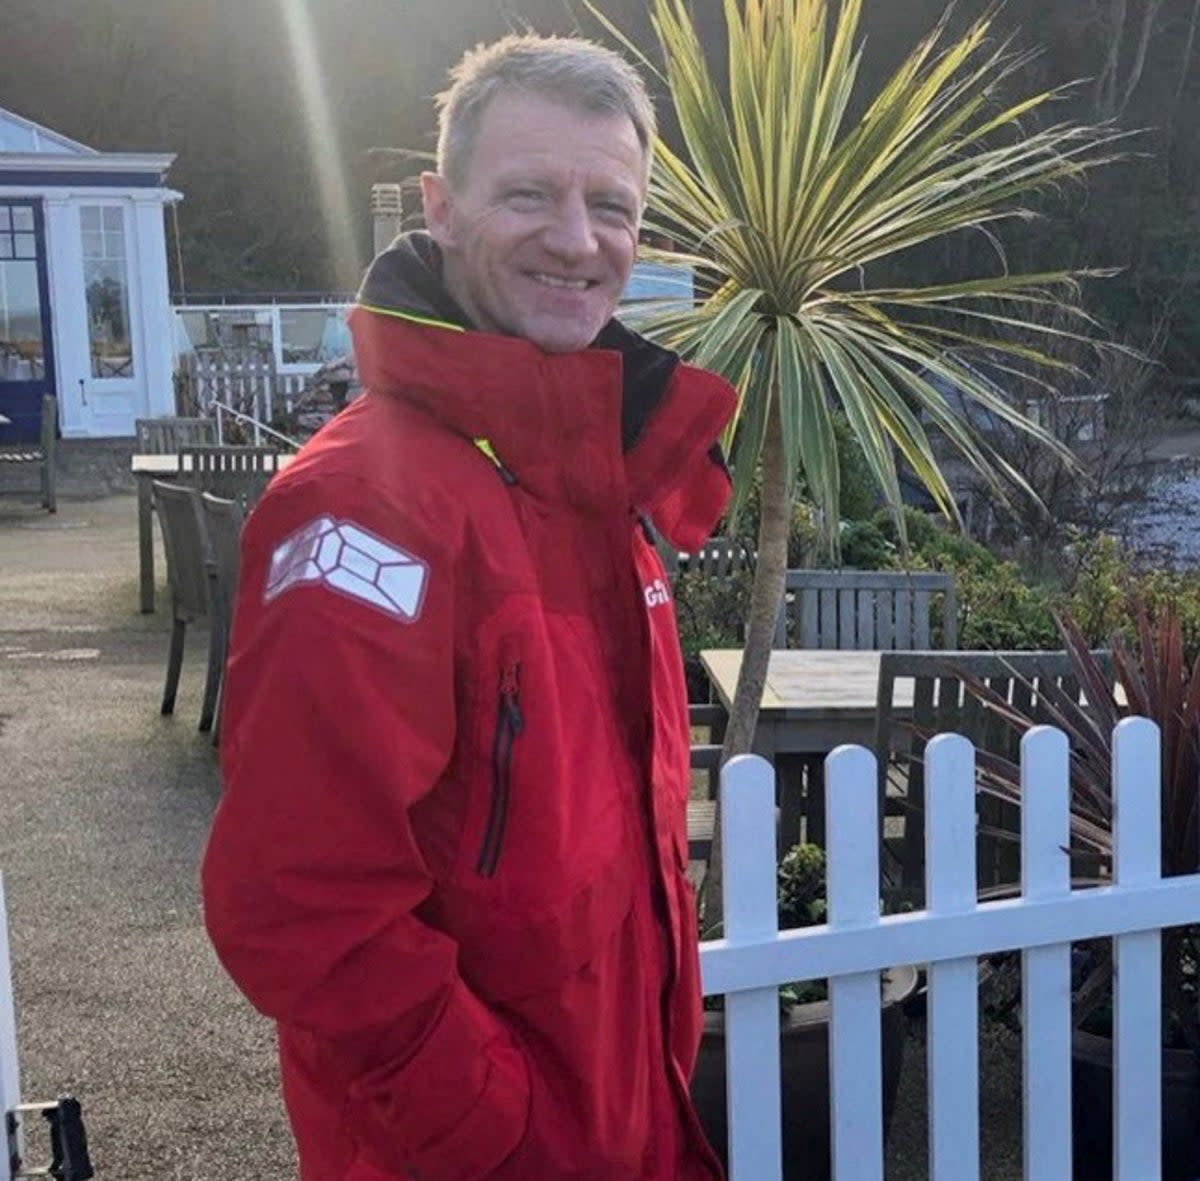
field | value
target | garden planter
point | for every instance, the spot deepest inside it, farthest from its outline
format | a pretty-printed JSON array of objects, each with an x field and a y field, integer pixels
[
  {"x": 804, "y": 1051},
  {"x": 1092, "y": 1110}
]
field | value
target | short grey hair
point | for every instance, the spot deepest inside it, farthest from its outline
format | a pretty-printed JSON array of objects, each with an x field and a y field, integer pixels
[{"x": 570, "y": 70}]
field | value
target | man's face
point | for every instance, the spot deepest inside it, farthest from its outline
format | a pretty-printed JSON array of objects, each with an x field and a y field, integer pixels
[{"x": 539, "y": 238}]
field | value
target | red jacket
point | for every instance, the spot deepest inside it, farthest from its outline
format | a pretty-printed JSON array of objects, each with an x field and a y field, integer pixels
[{"x": 449, "y": 860}]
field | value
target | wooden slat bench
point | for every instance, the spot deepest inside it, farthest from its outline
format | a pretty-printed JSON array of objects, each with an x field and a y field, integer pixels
[{"x": 41, "y": 453}]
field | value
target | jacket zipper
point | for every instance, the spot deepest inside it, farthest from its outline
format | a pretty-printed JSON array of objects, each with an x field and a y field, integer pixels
[{"x": 509, "y": 724}]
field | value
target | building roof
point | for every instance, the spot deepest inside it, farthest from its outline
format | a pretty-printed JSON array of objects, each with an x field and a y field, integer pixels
[
  {"x": 23, "y": 137},
  {"x": 33, "y": 156}
]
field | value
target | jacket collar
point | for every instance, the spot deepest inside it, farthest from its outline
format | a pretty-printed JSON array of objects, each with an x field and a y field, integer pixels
[{"x": 622, "y": 419}]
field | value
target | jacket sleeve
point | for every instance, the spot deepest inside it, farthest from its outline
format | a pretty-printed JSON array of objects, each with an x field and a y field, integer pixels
[{"x": 339, "y": 717}]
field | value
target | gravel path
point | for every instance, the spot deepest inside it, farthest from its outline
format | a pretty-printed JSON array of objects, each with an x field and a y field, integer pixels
[{"x": 105, "y": 809}]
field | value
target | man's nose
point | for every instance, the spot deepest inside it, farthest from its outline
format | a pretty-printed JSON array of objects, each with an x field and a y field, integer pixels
[{"x": 571, "y": 234}]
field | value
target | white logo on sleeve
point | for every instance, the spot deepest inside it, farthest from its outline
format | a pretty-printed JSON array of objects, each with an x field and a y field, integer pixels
[
  {"x": 347, "y": 559},
  {"x": 657, "y": 594}
]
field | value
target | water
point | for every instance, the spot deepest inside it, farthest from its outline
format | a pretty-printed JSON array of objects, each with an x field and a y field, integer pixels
[{"x": 1164, "y": 528}]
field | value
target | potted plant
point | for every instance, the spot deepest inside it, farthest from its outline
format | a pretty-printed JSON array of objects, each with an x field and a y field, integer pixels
[
  {"x": 1156, "y": 683},
  {"x": 804, "y": 1036}
]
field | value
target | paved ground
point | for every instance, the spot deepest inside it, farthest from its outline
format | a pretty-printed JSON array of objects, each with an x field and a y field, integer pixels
[{"x": 104, "y": 810}]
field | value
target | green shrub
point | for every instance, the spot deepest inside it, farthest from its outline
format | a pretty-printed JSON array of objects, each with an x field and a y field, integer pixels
[
  {"x": 998, "y": 609},
  {"x": 1107, "y": 585},
  {"x": 997, "y": 606},
  {"x": 712, "y": 614},
  {"x": 865, "y": 546}
]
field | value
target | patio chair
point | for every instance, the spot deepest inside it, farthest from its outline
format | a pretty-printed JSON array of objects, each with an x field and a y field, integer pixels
[
  {"x": 706, "y": 756},
  {"x": 233, "y": 473},
  {"x": 165, "y": 436},
  {"x": 718, "y": 557},
  {"x": 223, "y": 519},
  {"x": 862, "y": 610},
  {"x": 43, "y": 453},
  {"x": 868, "y": 610},
  {"x": 191, "y": 575},
  {"x": 942, "y": 703}
]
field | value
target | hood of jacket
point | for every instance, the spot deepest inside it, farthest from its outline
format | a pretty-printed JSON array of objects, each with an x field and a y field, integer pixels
[{"x": 623, "y": 416}]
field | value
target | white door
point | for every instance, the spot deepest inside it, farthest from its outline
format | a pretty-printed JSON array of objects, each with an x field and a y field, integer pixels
[{"x": 112, "y": 381}]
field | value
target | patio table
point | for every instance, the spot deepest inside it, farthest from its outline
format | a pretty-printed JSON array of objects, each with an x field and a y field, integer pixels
[
  {"x": 814, "y": 701},
  {"x": 146, "y": 469}
]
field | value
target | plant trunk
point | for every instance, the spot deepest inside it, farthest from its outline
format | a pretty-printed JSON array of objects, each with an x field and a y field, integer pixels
[{"x": 766, "y": 597}]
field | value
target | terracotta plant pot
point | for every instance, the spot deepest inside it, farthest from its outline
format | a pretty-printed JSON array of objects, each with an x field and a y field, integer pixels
[
  {"x": 1092, "y": 1110},
  {"x": 804, "y": 1050}
]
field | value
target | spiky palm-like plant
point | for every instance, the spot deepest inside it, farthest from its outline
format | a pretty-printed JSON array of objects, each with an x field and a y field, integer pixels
[{"x": 784, "y": 205}]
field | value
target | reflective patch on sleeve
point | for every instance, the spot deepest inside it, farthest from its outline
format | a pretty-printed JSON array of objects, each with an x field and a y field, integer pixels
[{"x": 351, "y": 561}]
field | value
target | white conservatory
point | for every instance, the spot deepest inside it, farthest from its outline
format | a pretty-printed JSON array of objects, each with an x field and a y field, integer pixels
[{"x": 85, "y": 309}]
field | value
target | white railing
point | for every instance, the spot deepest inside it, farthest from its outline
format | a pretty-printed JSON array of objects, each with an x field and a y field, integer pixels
[
  {"x": 10, "y": 1083},
  {"x": 259, "y": 428},
  {"x": 857, "y": 943}
]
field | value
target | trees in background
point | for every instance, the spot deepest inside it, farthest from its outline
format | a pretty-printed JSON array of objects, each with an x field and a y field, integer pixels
[
  {"x": 216, "y": 82},
  {"x": 795, "y": 180}
]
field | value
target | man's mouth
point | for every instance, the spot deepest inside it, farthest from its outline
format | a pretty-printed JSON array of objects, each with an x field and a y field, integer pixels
[{"x": 559, "y": 283}]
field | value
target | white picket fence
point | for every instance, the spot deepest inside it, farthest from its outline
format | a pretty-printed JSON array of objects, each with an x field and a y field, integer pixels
[{"x": 755, "y": 957}]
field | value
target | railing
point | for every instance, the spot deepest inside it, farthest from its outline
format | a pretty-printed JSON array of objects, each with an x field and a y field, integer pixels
[
  {"x": 259, "y": 428},
  {"x": 858, "y": 943}
]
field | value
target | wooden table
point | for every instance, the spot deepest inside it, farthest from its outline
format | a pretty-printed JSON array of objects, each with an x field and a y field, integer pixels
[
  {"x": 147, "y": 469},
  {"x": 814, "y": 700}
]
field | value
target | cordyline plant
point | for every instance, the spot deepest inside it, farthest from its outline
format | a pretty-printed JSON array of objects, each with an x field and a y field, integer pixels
[
  {"x": 782, "y": 204},
  {"x": 1155, "y": 683}
]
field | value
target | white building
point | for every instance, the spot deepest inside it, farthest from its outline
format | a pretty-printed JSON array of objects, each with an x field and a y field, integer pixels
[{"x": 85, "y": 309}]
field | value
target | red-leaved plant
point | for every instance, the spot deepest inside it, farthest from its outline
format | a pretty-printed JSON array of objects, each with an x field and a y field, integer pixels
[{"x": 1155, "y": 682}]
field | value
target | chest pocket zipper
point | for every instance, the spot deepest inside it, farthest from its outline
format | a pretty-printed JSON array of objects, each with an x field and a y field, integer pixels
[{"x": 509, "y": 724}]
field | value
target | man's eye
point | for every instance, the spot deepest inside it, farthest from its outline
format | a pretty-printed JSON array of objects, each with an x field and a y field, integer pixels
[
  {"x": 614, "y": 209},
  {"x": 528, "y": 196}
]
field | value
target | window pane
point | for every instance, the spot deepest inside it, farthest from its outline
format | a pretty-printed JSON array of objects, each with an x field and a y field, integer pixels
[
  {"x": 93, "y": 244},
  {"x": 26, "y": 245},
  {"x": 22, "y": 218},
  {"x": 113, "y": 219},
  {"x": 335, "y": 340},
  {"x": 107, "y": 287},
  {"x": 89, "y": 217},
  {"x": 22, "y": 355},
  {"x": 301, "y": 332},
  {"x": 5, "y": 224},
  {"x": 6, "y": 245},
  {"x": 195, "y": 324}
]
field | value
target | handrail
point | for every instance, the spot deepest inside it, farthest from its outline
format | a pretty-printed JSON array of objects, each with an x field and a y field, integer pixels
[{"x": 260, "y": 428}]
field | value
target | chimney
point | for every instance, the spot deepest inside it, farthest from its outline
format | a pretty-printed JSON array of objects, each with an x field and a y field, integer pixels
[{"x": 387, "y": 214}]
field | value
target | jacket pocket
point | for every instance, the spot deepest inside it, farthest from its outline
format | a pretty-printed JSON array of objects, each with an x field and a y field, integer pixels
[{"x": 510, "y": 723}]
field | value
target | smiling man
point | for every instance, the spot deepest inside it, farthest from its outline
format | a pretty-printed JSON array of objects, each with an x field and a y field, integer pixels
[{"x": 449, "y": 860}]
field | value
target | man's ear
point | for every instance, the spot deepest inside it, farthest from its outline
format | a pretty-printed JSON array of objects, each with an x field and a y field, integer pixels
[{"x": 438, "y": 203}]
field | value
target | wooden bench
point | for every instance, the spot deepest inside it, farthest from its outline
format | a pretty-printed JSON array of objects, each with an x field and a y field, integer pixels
[
  {"x": 41, "y": 453},
  {"x": 701, "y": 816},
  {"x": 868, "y": 609}
]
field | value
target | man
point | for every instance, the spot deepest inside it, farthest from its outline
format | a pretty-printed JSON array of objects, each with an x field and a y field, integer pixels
[{"x": 450, "y": 856}]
